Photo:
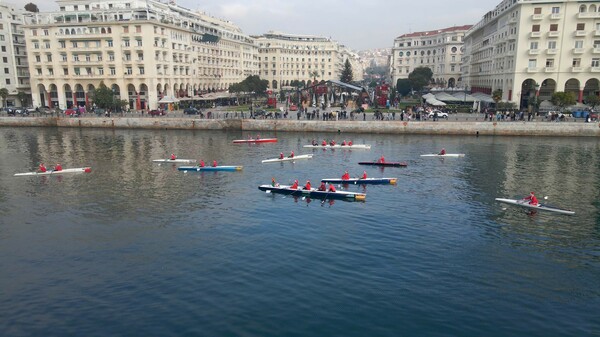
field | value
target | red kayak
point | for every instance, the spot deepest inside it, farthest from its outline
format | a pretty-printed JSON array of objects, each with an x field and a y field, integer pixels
[
  {"x": 260, "y": 140},
  {"x": 374, "y": 163}
]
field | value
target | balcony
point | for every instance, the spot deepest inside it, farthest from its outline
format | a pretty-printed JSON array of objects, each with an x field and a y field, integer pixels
[
  {"x": 576, "y": 69},
  {"x": 595, "y": 69},
  {"x": 578, "y": 50},
  {"x": 534, "y": 51},
  {"x": 551, "y": 51},
  {"x": 597, "y": 32},
  {"x": 580, "y": 33},
  {"x": 537, "y": 17},
  {"x": 550, "y": 69},
  {"x": 535, "y": 34},
  {"x": 596, "y": 50},
  {"x": 532, "y": 69},
  {"x": 553, "y": 34},
  {"x": 555, "y": 16},
  {"x": 588, "y": 15}
]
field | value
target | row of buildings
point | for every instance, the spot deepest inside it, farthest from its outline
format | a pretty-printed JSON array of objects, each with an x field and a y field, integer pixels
[
  {"x": 146, "y": 50},
  {"x": 529, "y": 49}
]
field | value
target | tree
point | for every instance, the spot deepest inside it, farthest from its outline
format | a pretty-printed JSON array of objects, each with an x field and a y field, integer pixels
[
  {"x": 314, "y": 74},
  {"x": 593, "y": 101},
  {"x": 403, "y": 86},
  {"x": 31, "y": 7},
  {"x": 347, "y": 75},
  {"x": 563, "y": 99},
  {"x": 22, "y": 97},
  {"x": 104, "y": 97},
  {"x": 4, "y": 94},
  {"x": 497, "y": 96},
  {"x": 420, "y": 77}
]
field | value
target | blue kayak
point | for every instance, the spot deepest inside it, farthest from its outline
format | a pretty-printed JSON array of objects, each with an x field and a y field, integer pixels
[
  {"x": 314, "y": 193},
  {"x": 210, "y": 168}
]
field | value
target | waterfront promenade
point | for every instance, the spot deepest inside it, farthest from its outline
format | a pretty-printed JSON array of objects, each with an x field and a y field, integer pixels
[{"x": 462, "y": 124}]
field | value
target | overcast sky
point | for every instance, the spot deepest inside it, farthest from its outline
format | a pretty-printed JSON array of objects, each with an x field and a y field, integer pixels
[{"x": 357, "y": 24}]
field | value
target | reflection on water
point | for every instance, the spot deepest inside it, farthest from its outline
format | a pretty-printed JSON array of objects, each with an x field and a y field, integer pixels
[{"x": 208, "y": 251}]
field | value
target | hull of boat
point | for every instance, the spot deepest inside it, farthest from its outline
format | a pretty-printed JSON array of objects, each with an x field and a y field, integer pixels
[
  {"x": 374, "y": 163},
  {"x": 174, "y": 161},
  {"x": 541, "y": 207},
  {"x": 64, "y": 171},
  {"x": 264, "y": 140},
  {"x": 368, "y": 181},
  {"x": 210, "y": 168},
  {"x": 313, "y": 193},
  {"x": 343, "y": 147},
  {"x": 278, "y": 160}
]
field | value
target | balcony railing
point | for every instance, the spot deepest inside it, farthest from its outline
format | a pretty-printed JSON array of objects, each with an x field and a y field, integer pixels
[
  {"x": 576, "y": 69},
  {"x": 580, "y": 33},
  {"x": 551, "y": 51},
  {"x": 535, "y": 34}
]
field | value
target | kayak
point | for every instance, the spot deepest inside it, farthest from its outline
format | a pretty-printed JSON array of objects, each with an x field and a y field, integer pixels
[
  {"x": 353, "y": 146},
  {"x": 358, "y": 181},
  {"x": 453, "y": 155},
  {"x": 50, "y": 172},
  {"x": 278, "y": 160},
  {"x": 186, "y": 161},
  {"x": 313, "y": 193},
  {"x": 210, "y": 168},
  {"x": 374, "y": 163},
  {"x": 260, "y": 140},
  {"x": 541, "y": 207}
]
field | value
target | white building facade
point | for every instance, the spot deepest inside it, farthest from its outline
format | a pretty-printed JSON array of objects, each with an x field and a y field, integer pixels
[
  {"x": 14, "y": 73},
  {"x": 143, "y": 50},
  {"x": 284, "y": 58},
  {"x": 440, "y": 50},
  {"x": 530, "y": 49}
]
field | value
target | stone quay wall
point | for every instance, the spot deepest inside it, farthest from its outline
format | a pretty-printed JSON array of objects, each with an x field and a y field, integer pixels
[{"x": 564, "y": 129}]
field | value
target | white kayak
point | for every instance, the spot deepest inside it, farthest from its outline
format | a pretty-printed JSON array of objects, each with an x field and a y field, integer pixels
[
  {"x": 187, "y": 161},
  {"x": 541, "y": 207},
  {"x": 278, "y": 160},
  {"x": 52, "y": 172},
  {"x": 337, "y": 146},
  {"x": 452, "y": 155}
]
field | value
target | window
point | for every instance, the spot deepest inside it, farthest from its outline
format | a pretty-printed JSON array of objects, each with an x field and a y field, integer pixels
[
  {"x": 125, "y": 29},
  {"x": 8, "y": 81},
  {"x": 126, "y": 43},
  {"x": 66, "y": 71},
  {"x": 75, "y": 58},
  {"x": 138, "y": 43},
  {"x": 99, "y": 57},
  {"x": 113, "y": 71},
  {"x": 551, "y": 44},
  {"x": 38, "y": 71},
  {"x": 555, "y": 10},
  {"x": 138, "y": 29},
  {"x": 63, "y": 57},
  {"x": 49, "y": 57},
  {"x": 36, "y": 45},
  {"x": 38, "y": 58},
  {"x": 127, "y": 57},
  {"x": 6, "y": 70},
  {"x": 535, "y": 28},
  {"x": 537, "y": 10},
  {"x": 581, "y": 26},
  {"x": 401, "y": 54},
  {"x": 140, "y": 57},
  {"x": 109, "y": 43},
  {"x": 142, "y": 71},
  {"x": 77, "y": 71},
  {"x": 47, "y": 44},
  {"x": 549, "y": 63},
  {"x": 62, "y": 44},
  {"x": 5, "y": 59},
  {"x": 88, "y": 71},
  {"x": 50, "y": 71},
  {"x": 576, "y": 62},
  {"x": 74, "y": 43},
  {"x": 1, "y": 37},
  {"x": 596, "y": 43},
  {"x": 579, "y": 44},
  {"x": 100, "y": 71},
  {"x": 532, "y": 63},
  {"x": 111, "y": 57},
  {"x": 533, "y": 45},
  {"x": 596, "y": 62},
  {"x": 129, "y": 71}
]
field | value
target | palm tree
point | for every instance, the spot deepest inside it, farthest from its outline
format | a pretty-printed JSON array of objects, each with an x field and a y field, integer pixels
[
  {"x": 314, "y": 74},
  {"x": 3, "y": 94}
]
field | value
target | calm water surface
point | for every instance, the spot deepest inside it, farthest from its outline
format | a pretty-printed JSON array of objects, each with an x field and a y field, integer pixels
[{"x": 141, "y": 249}]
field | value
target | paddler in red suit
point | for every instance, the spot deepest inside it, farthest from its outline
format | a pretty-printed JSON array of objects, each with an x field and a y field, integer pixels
[
  {"x": 364, "y": 176},
  {"x": 214, "y": 163},
  {"x": 331, "y": 188},
  {"x": 332, "y": 142},
  {"x": 381, "y": 160},
  {"x": 443, "y": 152},
  {"x": 42, "y": 167},
  {"x": 307, "y": 186},
  {"x": 173, "y": 156},
  {"x": 294, "y": 185},
  {"x": 346, "y": 176},
  {"x": 532, "y": 199},
  {"x": 281, "y": 155},
  {"x": 322, "y": 187},
  {"x": 350, "y": 143},
  {"x": 292, "y": 154},
  {"x": 344, "y": 143},
  {"x": 201, "y": 164},
  {"x": 57, "y": 167},
  {"x": 324, "y": 142}
]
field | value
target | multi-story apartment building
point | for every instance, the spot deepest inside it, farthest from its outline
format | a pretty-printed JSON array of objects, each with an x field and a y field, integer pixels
[
  {"x": 530, "y": 49},
  {"x": 14, "y": 75},
  {"x": 142, "y": 49},
  {"x": 284, "y": 58},
  {"x": 440, "y": 50}
]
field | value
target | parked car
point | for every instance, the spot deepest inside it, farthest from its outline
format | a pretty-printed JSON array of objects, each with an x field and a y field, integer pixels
[
  {"x": 21, "y": 112},
  {"x": 440, "y": 114},
  {"x": 293, "y": 107},
  {"x": 9, "y": 111},
  {"x": 157, "y": 112},
  {"x": 191, "y": 111},
  {"x": 72, "y": 113}
]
